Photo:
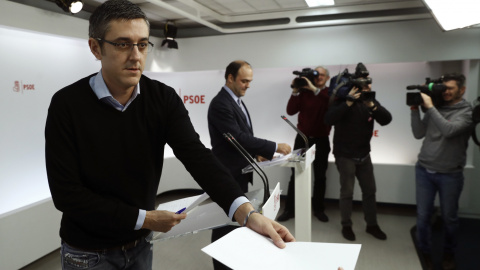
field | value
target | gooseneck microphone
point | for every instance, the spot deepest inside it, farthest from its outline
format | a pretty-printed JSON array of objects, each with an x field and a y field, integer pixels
[
  {"x": 266, "y": 189},
  {"x": 298, "y": 131}
]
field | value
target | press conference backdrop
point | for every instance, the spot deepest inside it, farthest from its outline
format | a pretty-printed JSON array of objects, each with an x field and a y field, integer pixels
[{"x": 39, "y": 65}]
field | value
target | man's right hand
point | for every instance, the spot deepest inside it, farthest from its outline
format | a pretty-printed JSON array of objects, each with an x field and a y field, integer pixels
[
  {"x": 162, "y": 221},
  {"x": 284, "y": 148}
]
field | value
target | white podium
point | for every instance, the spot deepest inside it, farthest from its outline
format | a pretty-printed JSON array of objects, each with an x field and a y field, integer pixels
[
  {"x": 303, "y": 188},
  {"x": 303, "y": 194}
]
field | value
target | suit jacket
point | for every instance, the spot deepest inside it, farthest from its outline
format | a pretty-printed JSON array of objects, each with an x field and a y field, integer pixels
[{"x": 226, "y": 116}]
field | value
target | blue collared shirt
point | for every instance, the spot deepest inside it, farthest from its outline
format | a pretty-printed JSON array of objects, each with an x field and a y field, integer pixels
[{"x": 101, "y": 90}]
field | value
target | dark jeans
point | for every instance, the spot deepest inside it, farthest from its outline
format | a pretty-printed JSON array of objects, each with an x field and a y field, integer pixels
[
  {"x": 137, "y": 258},
  {"x": 449, "y": 187},
  {"x": 348, "y": 169},
  {"x": 320, "y": 165}
]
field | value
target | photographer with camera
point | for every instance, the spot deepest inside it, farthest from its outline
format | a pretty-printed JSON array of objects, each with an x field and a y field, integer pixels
[
  {"x": 310, "y": 100},
  {"x": 353, "y": 116},
  {"x": 445, "y": 130}
]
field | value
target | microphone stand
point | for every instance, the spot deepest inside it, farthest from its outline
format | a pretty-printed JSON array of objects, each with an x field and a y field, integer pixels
[
  {"x": 252, "y": 162},
  {"x": 298, "y": 131}
]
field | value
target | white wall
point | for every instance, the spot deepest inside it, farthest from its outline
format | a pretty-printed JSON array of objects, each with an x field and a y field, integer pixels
[{"x": 30, "y": 231}]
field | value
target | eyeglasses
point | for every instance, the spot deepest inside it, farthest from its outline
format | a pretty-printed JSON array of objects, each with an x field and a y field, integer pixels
[{"x": 143, "y": 47}]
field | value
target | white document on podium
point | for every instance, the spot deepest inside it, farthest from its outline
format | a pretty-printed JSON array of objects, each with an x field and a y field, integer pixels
[
  {"x": 276, "y": 160},
  {"x": 244, "y": 249},
  {"x": 271, "y": 207}
]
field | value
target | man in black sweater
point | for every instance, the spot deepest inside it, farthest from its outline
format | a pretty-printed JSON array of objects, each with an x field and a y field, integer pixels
[
  {"x": 353, "y": 119},
  {"x": 105, "y": 137}
]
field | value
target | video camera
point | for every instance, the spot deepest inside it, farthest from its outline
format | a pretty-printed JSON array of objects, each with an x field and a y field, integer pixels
[
  {"x": 300, "y": 82},
  {"x": 343, "y": 83},
  {"x": 433, "y": 88}
]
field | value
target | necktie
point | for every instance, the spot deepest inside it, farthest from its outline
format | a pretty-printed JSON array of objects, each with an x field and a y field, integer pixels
[{"x": 239, "y": 101}]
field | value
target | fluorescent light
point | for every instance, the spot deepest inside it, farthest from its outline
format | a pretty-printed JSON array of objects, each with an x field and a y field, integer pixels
[
  {"x": 456, "y": 14},
  {"x": 75, "y": 7},
  {"x": 316, "y": 3}
]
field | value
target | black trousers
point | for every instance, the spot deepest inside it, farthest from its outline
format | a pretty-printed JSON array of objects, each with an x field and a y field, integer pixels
[
  {"x": 362, "y": 169},
  {"x": 320, "y": 165}
]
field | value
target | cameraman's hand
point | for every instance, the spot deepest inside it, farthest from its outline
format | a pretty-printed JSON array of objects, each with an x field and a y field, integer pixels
[
  {"x": 427, "y": 101},
  {"x": 310, "y": 85},
  {"x": 354, "y": 94},
  {"x": 294, "y": 90}
]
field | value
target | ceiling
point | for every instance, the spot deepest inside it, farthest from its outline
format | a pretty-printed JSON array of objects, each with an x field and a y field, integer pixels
[{"x": 195, "y": 18}]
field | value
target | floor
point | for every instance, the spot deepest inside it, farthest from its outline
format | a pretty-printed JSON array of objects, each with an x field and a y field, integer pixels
[{"x": 397, "y": 252}]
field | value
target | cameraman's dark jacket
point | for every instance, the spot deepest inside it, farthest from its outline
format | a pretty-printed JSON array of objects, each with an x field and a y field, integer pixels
[{"x": 354, "y": 127}]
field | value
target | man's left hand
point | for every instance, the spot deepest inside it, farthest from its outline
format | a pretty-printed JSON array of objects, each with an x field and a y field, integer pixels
[
  {"x": 264, "y": 226},
  {"x": 267, "y": 227}
]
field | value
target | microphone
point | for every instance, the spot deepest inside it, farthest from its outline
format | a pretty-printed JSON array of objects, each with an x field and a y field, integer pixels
[
  {"x": 431, "y": 87},
  {"x": 265, "y": 180},
  {"x": 298, "y": 131},
  {"x": 252, "y": 162}
]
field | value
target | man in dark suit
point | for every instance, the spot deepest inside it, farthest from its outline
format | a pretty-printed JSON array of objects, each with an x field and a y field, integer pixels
[{"x": 228, "y": 114}]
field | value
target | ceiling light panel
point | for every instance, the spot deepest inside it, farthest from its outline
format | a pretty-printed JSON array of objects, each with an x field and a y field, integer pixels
[
  {"x": 317, "y": 3},
  {"x": 454, "y": 15}
]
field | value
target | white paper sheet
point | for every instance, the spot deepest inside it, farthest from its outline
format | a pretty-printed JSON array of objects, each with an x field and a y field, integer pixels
[
  {"x": 202, "y": 214},
  {"x": 244, "y": 249},
  {"x": 189, "y": 203},
  {"x": 271, "y": 207}
]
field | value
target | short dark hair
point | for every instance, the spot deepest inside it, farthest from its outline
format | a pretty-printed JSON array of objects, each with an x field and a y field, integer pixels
[
  {"x": 113, "y": 10},
  {"x": 234, "y": 67},
  {"x": 457, "y": 77}
]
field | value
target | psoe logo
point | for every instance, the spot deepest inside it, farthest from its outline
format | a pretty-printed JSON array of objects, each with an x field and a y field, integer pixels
[
  {"x": 192, "y": 99},
  {"x": 19, "y": 86}
]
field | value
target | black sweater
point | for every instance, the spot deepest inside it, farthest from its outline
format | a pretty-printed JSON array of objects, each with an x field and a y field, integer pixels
[
  {"x": 104, "y": 165},
  {"x": 354, "y": 127}
]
